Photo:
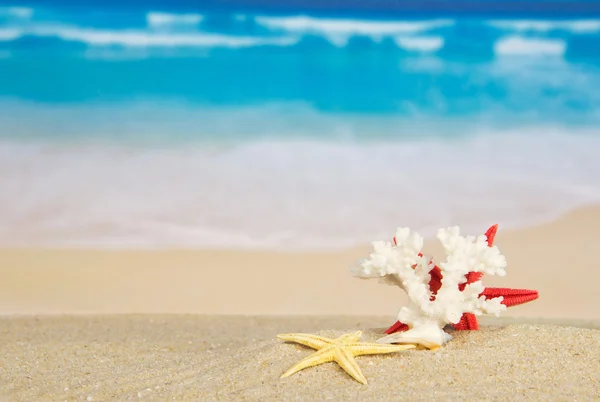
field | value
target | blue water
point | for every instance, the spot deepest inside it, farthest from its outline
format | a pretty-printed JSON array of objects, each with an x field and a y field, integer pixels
[
  {"x": 259, "y": 125},
  {"x": 436, "y": 67},
  {"x": 355, "y": 8}
]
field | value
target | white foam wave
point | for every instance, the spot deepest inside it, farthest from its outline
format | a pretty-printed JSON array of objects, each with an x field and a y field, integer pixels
[
  {"x": 424, "y": 44},
  {"x": 420, "y": 44},
  {"x": 159, "y": 20},
  {"x": 286, "y": 195},
  {"x": 348, "y": 27},
  {"x": 8, "y": 34},
  {"x": 140, "y": 38},
  {"x": 574, "y": 26},
  {"x": 338, "y": 40},
  {"x": 17, "y": 12},
  {"x": 520, "y": 46}
]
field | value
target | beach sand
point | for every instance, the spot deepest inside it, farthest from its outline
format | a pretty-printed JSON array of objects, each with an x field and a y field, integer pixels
[
  {"x": 560, "y": 259},
  {"x": 170, "y": 357},
  {"x": 108, "y": 325}
]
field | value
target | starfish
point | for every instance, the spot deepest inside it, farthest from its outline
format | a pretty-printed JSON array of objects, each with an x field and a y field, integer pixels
[
  {"x": 342, "y": 350},
  {"x": 468, "y": 321}
]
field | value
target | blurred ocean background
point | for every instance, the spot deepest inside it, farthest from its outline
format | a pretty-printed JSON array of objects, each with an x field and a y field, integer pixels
[{"x": 142, "y": 124}]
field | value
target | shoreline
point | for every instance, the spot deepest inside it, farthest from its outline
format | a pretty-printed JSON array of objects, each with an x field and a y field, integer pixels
[
  {"x": 429, "y": 237},
  {"x": 558, "y": 259},
  {"x": 162, "y": 201}
]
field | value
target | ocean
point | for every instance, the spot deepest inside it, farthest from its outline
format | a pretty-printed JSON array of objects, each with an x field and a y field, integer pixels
[{"x": 147, "y": 126}]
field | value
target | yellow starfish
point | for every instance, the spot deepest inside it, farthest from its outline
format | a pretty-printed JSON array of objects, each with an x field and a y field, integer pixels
[{"x": 341, "y": 350}]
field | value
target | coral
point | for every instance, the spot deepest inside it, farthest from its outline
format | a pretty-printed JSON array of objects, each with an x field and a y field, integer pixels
[
  {"x": 431, "y": 305},
  {"x": 512, "y": 297}
]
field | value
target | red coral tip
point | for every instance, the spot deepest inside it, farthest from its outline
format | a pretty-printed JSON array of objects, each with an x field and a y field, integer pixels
[
  {"x": 397, "y": 327},
  {"x": 491, "y": 234}
]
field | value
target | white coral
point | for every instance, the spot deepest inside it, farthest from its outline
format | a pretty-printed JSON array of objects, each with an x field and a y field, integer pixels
[{"x": 400, "y": 264}]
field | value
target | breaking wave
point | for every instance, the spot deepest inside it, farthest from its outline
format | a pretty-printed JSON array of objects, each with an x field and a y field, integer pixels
[
  {"x": 517, "y": 45},
  {"x": 581, "y": 26},
  {"x": 150, "y": 128},
  {"x": 278, "y": 194},
  {"x": 445, "y": 37},
  {"x": 159, "y": 20},
  {"x": 139, "y": 38}
]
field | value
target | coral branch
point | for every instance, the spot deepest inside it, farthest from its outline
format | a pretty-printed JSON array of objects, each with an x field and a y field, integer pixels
[
  {"x": 448, "y": 293},
  {"x": 468, "y": 320}
]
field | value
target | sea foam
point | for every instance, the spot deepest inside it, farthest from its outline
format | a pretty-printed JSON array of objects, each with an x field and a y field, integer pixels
[
  {"x": 306, "y": 24},
  {"x": 420, "y": 43},
  {"x": 8, "y": 34},
  {"x": 140, "y": 38},
  {"x": 160, "y": 20},
  {"x": 273, "y": 193},
  {"x": 517, "y": 45},
  {"x": 168, "y": 31},
  {"x": 581, "y": 26}
]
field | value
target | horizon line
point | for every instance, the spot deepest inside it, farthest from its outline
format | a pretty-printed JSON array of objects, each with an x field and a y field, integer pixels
[{"x": 391, "y": 8}]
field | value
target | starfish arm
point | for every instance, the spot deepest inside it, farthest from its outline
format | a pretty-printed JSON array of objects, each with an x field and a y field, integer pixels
[
  {"x": 345, "y": 359},
  {"x": 363, "y": 348},
  {"x": 312, "y": 341},
  {"x": 322, "y": 356},
  {"x": 467, "y": 322},
  {"x": 512, "y": 297}
]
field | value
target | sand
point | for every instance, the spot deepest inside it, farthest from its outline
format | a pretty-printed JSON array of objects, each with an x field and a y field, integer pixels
[
  {"x": 164, "y": 324},
  {"x": 238, "y": 358},
  {"x": 560, "y": 259}
]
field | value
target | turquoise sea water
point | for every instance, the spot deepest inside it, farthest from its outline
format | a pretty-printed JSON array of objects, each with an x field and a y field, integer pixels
[{"x": 132, "y": 125}]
